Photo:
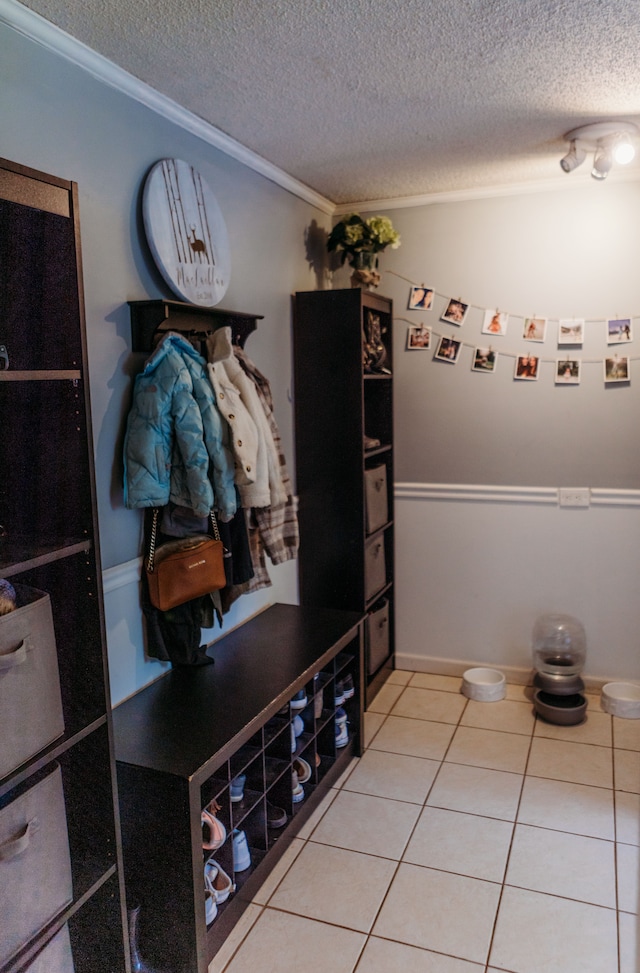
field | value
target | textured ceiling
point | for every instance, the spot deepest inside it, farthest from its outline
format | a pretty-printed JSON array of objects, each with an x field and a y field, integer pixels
[{"x": 377, "y": 99}]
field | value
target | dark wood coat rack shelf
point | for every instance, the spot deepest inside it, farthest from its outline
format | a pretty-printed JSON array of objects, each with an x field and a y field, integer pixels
[{"x": 150, "y": 317}]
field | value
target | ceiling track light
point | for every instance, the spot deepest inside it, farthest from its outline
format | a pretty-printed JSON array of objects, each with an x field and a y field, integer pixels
[{"x": 609, "y": 141}]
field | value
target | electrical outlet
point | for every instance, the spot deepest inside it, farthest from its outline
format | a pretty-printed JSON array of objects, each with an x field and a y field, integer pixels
[{"x": 575, "y": 496}]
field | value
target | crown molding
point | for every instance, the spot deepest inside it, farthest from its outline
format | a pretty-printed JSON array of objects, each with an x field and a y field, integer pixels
[
  {"x": 36, "y": 28},
  {"x": 563, "y": 183}
]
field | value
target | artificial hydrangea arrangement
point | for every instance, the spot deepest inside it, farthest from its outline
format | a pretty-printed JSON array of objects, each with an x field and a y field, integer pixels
[{"x": 356, "y": 239}]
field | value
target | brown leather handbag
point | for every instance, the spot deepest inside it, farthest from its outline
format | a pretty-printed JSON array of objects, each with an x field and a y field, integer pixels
[{"x": 184, "y": 569}]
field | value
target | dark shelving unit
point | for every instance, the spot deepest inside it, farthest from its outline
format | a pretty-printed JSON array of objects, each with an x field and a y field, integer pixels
[
  {"x": 49, "y": 542},
  {"x": 338, "y": 401},
  {"x": 182, "y": 740}
]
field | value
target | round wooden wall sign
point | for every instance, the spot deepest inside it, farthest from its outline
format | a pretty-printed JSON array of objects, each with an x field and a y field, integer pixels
[{"x": 186, "y": 232}]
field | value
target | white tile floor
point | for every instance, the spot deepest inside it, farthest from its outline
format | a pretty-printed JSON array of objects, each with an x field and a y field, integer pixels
[{"x": 469, "y": 838}]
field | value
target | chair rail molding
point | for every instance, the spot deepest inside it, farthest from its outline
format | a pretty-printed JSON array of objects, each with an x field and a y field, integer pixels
[{"x": 482, "y": 493}]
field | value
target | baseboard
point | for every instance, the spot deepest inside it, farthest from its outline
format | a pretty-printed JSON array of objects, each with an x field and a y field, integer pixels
[{"x": 516, "y": 675}]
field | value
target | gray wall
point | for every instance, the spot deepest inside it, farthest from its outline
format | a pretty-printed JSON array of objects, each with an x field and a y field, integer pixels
[
  {"x": 482, "y": 547},
  {"x": 555, "y": 254},
  {"x": 59, "y": 119}
]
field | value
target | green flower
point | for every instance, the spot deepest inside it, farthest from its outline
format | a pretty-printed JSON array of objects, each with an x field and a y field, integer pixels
[
  {"x": 353, "y": 236},
  {"x": 383, "y": 233}
]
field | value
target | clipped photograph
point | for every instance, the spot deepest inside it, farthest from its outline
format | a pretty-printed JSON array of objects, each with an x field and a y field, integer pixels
[
  {"x": 484, "y": 360},
  {"x": 618, "y": 330},
  {"x": 617, "y": 369},
  {"x": 418, "y": 337},
  {"x": 421, "y": 298},
  {"x": 495, "y": 322},
  {"x": 571, "y": 331},
  {"x": 527, "y": 368},
  {"x": 448, "y": 350},
  {"x": 534, "y": 329},
  {"x": 568, "y": 371},
  {"x": 455, "y": 312}
]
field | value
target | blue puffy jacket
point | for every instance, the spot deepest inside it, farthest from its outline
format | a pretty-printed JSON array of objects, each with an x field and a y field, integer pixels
[{"x": 174, "y": 445}]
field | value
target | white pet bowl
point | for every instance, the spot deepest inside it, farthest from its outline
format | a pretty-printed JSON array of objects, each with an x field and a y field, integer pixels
[
  {"x": 485, "y": 685},
  {"x": 621, "y": 699}
]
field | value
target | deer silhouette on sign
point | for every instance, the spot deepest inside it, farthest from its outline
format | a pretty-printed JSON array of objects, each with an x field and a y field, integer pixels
[{"x": 198, "y": 246}]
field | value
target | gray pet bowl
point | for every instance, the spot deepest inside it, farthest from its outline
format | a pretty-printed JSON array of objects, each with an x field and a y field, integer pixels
[{"x": 561, "y": 710}]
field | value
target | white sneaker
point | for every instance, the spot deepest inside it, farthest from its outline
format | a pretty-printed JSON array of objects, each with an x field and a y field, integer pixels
[
  {"x": 241, "y": 854},
  {"x": 299, "y": 701},
  {"x": 217, "y": 881},
  {"x": 210, "y": 907},
  {"x": 342, "y": 735},
  {"x": 297, "y": 790},
  {"x": 302, "y": 770}
]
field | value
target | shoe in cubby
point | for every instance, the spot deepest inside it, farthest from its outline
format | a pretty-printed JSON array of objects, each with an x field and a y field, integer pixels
[
  {"x": 210, "y": 906},
  {"x": 297, "y": 790},
  {"x": 241, "y": 853},
  {"x": 342, "y": 735},
  {"x": 341, "y": 716},
  {"x": 348, "y": 687},
  {"x": 217, "y": 881},
  {"x": 302, "y": 769},
  {"x": 236, "y": 788},
  {"x": 214, "y": 833},
  {"x": 276, "y": 817},
  {"x": 299, "y": 701},
  {"x": 318, "y": 696}
]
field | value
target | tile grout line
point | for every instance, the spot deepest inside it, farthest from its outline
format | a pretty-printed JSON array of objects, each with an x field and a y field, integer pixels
[
  {"x": 508, "y": 858},
  {"x": 615, "y": 846},
  {"x": 411, "y": 833}
]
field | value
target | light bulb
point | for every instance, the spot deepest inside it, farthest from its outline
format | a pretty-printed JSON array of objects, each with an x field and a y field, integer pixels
[
  {"x": 602, "y": 163},
  {"x": 624, "y": 151}
]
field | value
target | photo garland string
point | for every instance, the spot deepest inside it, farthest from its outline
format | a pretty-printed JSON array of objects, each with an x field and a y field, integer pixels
[{"x": 567, "y": 368}]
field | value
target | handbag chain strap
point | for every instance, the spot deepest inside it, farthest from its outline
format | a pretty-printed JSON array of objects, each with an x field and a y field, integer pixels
[{"x": 154, "y": 534}]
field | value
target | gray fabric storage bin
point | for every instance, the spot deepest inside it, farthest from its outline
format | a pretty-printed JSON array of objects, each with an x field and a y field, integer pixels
[
  {"x": 377, "y": 637},
  {"x": 375, "y": 495},
  {"x": 35, "y": 864},
  {"x": 56, "y": 957},
  {"x": 30, "y": 702},
  {"x": 375, "y": 571}
]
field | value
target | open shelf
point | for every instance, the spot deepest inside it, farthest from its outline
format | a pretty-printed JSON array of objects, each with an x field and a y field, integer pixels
[
  {"x": 66, "y": 885},
  {"x": 345, "y": 561}
]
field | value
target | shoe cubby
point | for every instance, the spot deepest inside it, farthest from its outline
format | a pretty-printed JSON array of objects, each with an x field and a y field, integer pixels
[{"x": 181, "y": 745}]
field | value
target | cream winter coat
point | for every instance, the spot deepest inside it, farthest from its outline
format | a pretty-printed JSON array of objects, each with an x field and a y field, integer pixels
[{"x": 256, "y": 457}]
